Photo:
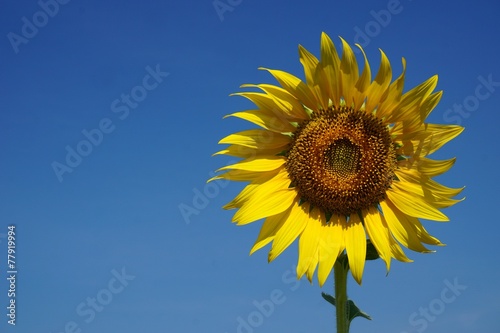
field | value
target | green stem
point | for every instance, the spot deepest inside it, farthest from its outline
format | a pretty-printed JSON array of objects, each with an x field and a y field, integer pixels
[{"x": 340, "y": 270}]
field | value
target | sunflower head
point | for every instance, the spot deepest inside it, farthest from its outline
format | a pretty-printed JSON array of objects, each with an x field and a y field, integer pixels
[{"x": 340, "y": 159}]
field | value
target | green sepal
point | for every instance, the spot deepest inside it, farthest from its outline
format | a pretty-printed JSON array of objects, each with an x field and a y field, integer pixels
[
  {"x": 354, "y": 311},
  {"x": 308, "y": 111}
]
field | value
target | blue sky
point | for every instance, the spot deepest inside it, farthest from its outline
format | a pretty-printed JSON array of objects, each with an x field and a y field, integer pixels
[{"x": 138, "y": 90}]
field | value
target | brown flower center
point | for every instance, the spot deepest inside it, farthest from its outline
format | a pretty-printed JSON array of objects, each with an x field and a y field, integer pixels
[{"x": 342, "y": 160}]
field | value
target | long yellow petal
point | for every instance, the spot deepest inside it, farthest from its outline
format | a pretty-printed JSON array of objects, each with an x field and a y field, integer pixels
[
  {"x": 309, "y": 242},
  {"x": 296, "y": 221},
  {"x": 355, "y": 244},
  {"x": 269, "y": 198},
  {"x": 251, "y": 188},
  {"x": 289, "y": 103},
  {"x": 314, "y": 76},
  {"x": 348, "y": 73},
  {"x": 380, "y": 84},
  {"x": 267, "y": 163},
  {"x": 330, "y": 64},
  {"x": 379, "y": 234},
  {"x": 296, "y": 87},
  {"x": 257, "y": 208},
  {"x": 427, "y": 166},
  {"x": 392, "y": 95},
  {"x": 268, "y": 181},
  {"x": 272, "y": 122},
  {"x": 242, "y": 175},
  {"x": 425, "y": 109},
  {"x": 430, "y": 138},
  {"x": 269, "y": 229},
  {"x": 422, "y": 233},
  {"x": 359, "y": 93},
  {"x": 413, "y": 205},
  {"x": 396, "y": 250},
  {"x": 331, "y": 245},
  {"x": 268, "y": 105},
  {"x": 409, "y": 107},
  {"x": 257, "y": 138},
  {"x": 400, "y": 227},
  {"x": 246, "y": 152},
  {"x": 422, "y": 185},
  {"x": 312, "y": 266}
]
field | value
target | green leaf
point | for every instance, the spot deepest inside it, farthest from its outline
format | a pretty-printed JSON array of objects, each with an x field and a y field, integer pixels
[
  {"x": 353, "y": 310},
  {"x": 329, "y": 298}
]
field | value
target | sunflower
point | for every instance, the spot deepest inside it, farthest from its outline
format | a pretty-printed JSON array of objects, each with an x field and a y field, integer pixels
[{"x": 340, "y": 160}]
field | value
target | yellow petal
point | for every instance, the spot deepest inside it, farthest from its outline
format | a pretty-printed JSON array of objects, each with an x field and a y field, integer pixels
[
  {"x": 429, "y": 139},
  {"x": 262, "y": 100},
  {"x": 379, "y": 234},
  {"x": 296, "y": 220},
  {"x": 409, "y": 107},
  {"x": 355, "y": 243},
  {"x": 427, "y": 166},
  {"x": 268, "y": 181},
  {"x": 391, "y": 97},
  {"x": 267, "y": 163},
  {"x": 257, "y": 138},
  {"x": 289, "y": 103},
  {"x": 269, "y": 198},
  {"x": 396, "y": 250},
  {"x": 330, "y": 63},
  {"x": 422, "y": 234},
  {"x": 269, "y": 105},
  {"x": 313, "y": 75},
  {"x": 250, "y": 189},
  {"x": 246, "y": 152},
  {"x": 309, "y": 242},
  {"x": 400, "y": 227},
  {"x": 257, "y": 208},
  {"x": 265, "y": 120},
  {"x": 413, "y": 205},
  {"x": 425, "y": 108},
  {"x": 242, "y": 175},
  {"x": 363, "y": 83},
  {"x": 429, "y": 104},
  {"x": 442, "y": 190},
  {"x": 312, "y": 266},
  {"x": 380, "y": 84},
  {"x": 296, "y": 87},
  {"x": 423, "y": 186},
  {"x": 349, "y": 73},
  {"x": 269, "y": 229},
  {"x": 331, "y": 245}
]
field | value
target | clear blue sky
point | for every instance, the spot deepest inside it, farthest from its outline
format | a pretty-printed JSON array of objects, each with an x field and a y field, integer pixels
[{"x": 138, "y": 90}]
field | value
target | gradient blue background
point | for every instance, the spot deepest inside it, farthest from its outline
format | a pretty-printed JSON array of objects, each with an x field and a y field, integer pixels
[{"x": 120, "y": 207}]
